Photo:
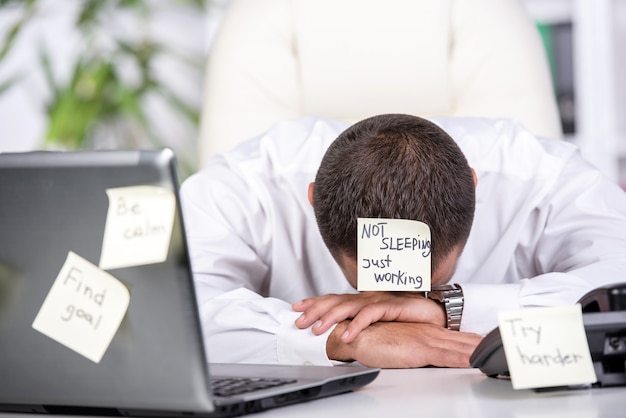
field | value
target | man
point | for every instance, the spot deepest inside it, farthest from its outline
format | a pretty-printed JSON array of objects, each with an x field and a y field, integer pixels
[{"x": 516, "y": 221}]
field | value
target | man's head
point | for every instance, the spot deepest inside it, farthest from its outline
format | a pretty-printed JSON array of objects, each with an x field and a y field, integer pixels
[{"x": 399, "y": 167}]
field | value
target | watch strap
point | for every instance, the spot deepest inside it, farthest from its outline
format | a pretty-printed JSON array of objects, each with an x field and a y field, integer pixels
[{"x": 451, "y": 296}]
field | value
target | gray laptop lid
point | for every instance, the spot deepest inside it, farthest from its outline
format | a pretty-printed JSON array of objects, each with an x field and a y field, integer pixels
[
  {"x": 55, "y": 203},
  {"x": 57, "y": 206}
]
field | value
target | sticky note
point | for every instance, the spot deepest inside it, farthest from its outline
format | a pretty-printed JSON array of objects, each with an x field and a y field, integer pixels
[
  {"x": 138, "y": 227},
  {"x": 393, "y": 255},
  {"x": 546, "y": 347},
  {"x": 84, "y": 308}
]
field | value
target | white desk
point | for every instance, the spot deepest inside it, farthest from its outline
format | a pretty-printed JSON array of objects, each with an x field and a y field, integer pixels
[
  {"x": 450, "y": 393},
  {"x": 457, "y": 393}
]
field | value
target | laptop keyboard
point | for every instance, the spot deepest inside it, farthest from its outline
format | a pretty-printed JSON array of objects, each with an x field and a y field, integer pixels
[{"x": 229, "y": 386}]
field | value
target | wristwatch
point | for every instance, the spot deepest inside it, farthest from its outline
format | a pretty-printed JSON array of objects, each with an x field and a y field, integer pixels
[{"x": 451, "y": 296}]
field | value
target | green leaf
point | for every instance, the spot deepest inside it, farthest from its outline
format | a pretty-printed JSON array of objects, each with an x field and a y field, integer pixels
[
  {"x": 44, "y": 59},
  {"x": 177, "y": 103},
  {"x": 6, "y": 85},
  {"x": 88, "y": 15},
  {"x": 16, "y": 29}
]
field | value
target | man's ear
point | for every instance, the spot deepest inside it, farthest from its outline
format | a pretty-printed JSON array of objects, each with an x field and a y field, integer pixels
[
  {"x": 473, "y": 175},
  {"x": 310, "y": 193}
]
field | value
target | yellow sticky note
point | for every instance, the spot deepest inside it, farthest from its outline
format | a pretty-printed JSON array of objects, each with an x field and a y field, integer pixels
[
  {"x": 546, "y": 347},
  {"x": 138, "y": 226},
  {"x": 393, "y": 254},
  {"x": 83, "y": 309}
]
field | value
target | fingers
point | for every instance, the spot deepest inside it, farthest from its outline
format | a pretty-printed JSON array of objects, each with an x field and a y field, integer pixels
[
  {"x": 365, "y": 317},
  {"x": 365, "y": 308},
  {"x": 303, "y": 305},
  {"x": 453, "y": 349},
  {"x": 337, "y": 314},
  {"x": 401, "y": 309},
  {"x": 325, "y": 311},
  {"x": 306, "y": 320}
]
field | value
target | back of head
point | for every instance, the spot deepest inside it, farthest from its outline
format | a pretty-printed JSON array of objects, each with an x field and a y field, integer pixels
[{"x": 399, "y": 167}]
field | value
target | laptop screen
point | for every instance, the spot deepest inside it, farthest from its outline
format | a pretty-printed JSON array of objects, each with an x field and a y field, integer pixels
[
  {"x": 66, "y": 211},
  {"x": 97, "y": 306}
]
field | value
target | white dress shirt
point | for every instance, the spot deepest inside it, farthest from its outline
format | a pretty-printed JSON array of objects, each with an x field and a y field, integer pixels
[{"x": 548, "y": 228}]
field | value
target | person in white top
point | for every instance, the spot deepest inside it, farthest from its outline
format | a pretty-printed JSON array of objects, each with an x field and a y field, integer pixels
[{"x": 517, "y": 221}]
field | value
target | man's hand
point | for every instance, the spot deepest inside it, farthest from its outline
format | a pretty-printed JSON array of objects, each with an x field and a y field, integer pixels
[
  {"x": 364, "y": 309},
  {"x": 403, "y": 345}
]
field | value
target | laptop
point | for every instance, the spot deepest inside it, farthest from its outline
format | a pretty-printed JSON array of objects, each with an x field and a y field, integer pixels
[{"x": 92, "y": 323}]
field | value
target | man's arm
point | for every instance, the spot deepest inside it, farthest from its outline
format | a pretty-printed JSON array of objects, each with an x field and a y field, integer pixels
[
  {"x": 240, "y": 326},
  {"x": 558, "y": 248},
  {"x": 387, "y": 329},
  {"x": 366, "y": 308},
  {"x": 230, "y": 243},
  {"x": 404, "y": 345},
  {"x": 570, "y": 242}
]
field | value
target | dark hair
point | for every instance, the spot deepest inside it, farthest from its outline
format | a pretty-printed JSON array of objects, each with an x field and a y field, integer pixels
[{"x": 394, "y": 166}]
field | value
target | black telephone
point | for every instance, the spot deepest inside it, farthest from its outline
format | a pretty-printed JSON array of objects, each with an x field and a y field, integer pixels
[{"x": 604, "y": 317}]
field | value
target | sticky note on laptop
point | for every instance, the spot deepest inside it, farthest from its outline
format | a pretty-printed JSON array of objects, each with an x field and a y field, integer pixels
[
  {"x": 393, "y": 254},
  {"x": 138, "y": 226},
  {"x": 84, "y": 308},
  {"x": 546, "y": 347}
]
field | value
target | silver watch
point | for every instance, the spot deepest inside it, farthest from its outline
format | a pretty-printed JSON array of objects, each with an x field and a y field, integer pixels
[{"x": 451, "y": 296}]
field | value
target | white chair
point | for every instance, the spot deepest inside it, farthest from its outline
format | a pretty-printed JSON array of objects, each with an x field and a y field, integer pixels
[{"x": 349, "y": 59}]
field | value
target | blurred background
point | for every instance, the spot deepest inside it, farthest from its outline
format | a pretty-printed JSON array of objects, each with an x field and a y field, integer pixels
[
  {"x": 97, "y": 74},
  {"x": 103, "y": 74}
]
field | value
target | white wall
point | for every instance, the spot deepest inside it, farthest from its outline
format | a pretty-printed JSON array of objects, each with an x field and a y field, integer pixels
[
  {"x": 599, "y": 33},
  {"x": 23, "y": 122}
]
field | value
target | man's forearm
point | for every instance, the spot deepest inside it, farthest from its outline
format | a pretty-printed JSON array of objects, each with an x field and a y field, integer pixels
[
  {"x": 403, "y": 345},
  {"x": 335, "y": 348}
]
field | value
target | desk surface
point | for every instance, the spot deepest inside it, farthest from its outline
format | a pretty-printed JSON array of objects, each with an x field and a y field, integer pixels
[
  {"x": 458, "y": 393},
  {"x": 451, "y": 393}
]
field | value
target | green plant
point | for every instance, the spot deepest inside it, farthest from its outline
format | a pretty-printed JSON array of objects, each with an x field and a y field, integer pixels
[{"x": 96, "y": 96}]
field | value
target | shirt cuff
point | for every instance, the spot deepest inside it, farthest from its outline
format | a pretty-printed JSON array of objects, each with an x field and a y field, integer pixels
[
  {"x": 301, "y": 346},
  {"x": 482, "y": 302}
]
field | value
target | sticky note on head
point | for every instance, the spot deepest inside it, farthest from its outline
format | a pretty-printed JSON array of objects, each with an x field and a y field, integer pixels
[
  {"x": 83, "y": 309},
  {"x": 393, "y": 254},
  {"x": 138, "y": 226}
]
